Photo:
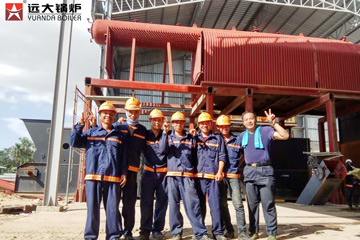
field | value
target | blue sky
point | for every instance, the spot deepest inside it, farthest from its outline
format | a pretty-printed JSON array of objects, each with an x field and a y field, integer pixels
[{"x": 28, "y": 53}]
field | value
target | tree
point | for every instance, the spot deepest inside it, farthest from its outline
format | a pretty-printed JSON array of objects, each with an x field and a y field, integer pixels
[{"x": 17, "y": 155}]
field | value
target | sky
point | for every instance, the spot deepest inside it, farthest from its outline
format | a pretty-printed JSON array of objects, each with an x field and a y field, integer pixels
[{"x": 28, "y": 57}]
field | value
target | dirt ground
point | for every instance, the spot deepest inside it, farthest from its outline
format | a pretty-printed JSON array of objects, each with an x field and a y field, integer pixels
[{"x": 295, "y": 222}]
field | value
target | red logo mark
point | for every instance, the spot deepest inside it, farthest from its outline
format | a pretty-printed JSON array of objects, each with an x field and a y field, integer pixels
[{"x": 13, "y": 11}]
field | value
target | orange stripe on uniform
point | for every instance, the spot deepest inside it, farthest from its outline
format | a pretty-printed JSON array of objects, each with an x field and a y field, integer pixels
[
  {"x": 115, "y": 140},
  {"x": 96, "y": 138},
  {"x": 139, "y": 136},
  {"x": 180, "y": 174},
  {"x": 234, "y": 146},
  {"x": 163, "y": 169},
  {"x": 233, "y": 175},
  {"x": 133, "y": 169},
  {"x": 111, "y": 179},
  {"x": 93, "y": 177}
]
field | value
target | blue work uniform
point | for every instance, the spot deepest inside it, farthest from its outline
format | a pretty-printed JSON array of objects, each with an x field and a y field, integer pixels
[
  {"x": 153, "y": 182},
  {"x": 105, "y": 164},
  {"x": 231, "y": 182},
  {"x": 260, "y": 181},
  {"x": 181, "y": 162},
  {"x": 136, "y": 147},
  {"x": 209, "y": 153}
]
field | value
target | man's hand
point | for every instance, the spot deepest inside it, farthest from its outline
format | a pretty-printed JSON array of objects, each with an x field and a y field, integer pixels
[
  {"x": 82, "y": 119},
  {"x": 193, "y": 132},
  {"x": 121, "y": 120},
  {"x": 219, "y": 176},
  {"x": 166, "y": 125},
  {"x": 270, "y": 117},
  {"x": 92, "y": 119},
  {"x": 122, "y": 180}
]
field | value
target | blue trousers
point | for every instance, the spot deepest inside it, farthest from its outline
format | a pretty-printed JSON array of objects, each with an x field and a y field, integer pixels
[
  {"x": 129, "y": 195},
  {"x": 233, "y": 185},
  {"x": 153, "y": 184},
  {"x": 184, "y": 188},
  {"x": 260, "y": 187},
  {"x": 110, "y": 192},
  {"x": 211, "y": 188}
]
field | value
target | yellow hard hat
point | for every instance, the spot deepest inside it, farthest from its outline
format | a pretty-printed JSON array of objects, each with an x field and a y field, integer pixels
[
  {"x": 178, "y": 116},
  {"x": 204, "y": 116},
  {"x": 107, "y": 106},
  {"x": 223, "y": 120},
  {"x": 132, "y": 104},
  {"x": 156, "y": 113}
]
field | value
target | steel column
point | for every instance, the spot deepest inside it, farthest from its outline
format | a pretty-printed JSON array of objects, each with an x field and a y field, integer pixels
[
  {"x": 210, "y": 102},
  {"x": 331, "y": 121},
  {"x": 164, "y": 76},
  {"x": 321, "y": 132},
  {"x": 249, "y": 100},
  {"x": 171, "y": 75},
  {"x": 58, "y": 114},
  {"x": 192, "y": 123}
]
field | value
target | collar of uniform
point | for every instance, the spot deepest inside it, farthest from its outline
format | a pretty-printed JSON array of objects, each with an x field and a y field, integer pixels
[
  {"x": 173, "y": 135},
  {"x": 232, "y": 138},
  {"x": 152, "y": 135},
  {"x": 211, "y": 135},
  {"x": 135, "y": 127}
]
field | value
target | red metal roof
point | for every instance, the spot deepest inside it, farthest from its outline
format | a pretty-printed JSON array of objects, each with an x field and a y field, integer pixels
[{"x": 230, "y": 56}]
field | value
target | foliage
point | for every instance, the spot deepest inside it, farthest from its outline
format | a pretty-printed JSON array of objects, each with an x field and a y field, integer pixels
[{"x": 20, "y": 153}]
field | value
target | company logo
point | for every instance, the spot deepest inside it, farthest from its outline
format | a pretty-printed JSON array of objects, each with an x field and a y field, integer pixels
[{"x": 13, "y": 11}]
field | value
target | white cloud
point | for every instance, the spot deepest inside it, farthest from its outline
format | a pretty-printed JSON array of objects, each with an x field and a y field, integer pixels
[
  {"x": 17, "y": 126},
  {"x": 8, "y": 70}
]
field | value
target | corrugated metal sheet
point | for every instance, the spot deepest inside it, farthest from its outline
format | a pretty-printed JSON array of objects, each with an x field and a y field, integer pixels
[
  {"x": 255, "y": 58},
  {"x": 282, "y": 60}
]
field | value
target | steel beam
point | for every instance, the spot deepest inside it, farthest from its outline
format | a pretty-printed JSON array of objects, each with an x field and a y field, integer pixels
[
  {"x": 200, "y": 102},
  {"x": 147, "y": 112},
  {"x": 154, "y": 105},
  {"x": 130, "y": 6},
  {"x": 331, "y": 121},
  {"x": 148, "y": 86},
  {"x": 58, "y": 112},
  {"x": 349, "y": 6},
  {"x": 308, "y": 106},
  {"x": 233, "y": 105}
]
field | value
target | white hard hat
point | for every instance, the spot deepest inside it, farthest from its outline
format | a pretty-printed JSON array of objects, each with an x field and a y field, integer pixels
[{"x": 348, "y": 161}]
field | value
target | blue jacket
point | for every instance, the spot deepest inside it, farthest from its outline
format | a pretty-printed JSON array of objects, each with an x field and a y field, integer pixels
[
  {"x": 209, "y": 153},
  {"x": 234, "y": 151},
  {"x": 136, "y": 144},
  {"x": 155, "y": 157},
  {"x": 105, "y": 152},
  {"x": 181, "y": 153}
]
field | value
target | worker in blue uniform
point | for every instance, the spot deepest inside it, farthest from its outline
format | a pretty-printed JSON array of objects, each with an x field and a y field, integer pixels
[
  {"x": 211, "y": 155},
  {"x": 180, "y": 148},
  {"x": 258, "y": 172},
  {"x": 231, "y": 181},
  {"x": 136, "y": 134},
  {"x": 106, "y": 169},
  {"x": 153, "y": 181}
]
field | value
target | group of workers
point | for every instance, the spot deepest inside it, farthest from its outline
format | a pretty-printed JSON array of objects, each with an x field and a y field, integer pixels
[{"x": 191, "y": 166}]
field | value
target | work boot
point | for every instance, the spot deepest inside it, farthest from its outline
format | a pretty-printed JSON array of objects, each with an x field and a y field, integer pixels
[
  {"x": 143, "y": 236},
  {"x": 158, "y": 235},
  {"x": 229, "y": 234},
  {"x": 254, "y": 236},
  {"x": 272, "y": 237},
  {"x": 243, "y": 236},
  {"x": 129, "y": 237},
  {"x": 203, "y": 237},
  {"x": 177, "y": 237},
  {"x": 220, "y": 237}
]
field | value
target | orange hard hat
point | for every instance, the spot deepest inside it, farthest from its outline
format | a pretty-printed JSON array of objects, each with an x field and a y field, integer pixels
[
  {"x": 132, "y": 104},
  {"x": 107, "y": 106},
  {"x": 156, "y": 113},
  {"x": 223, "y": 120},
  {"x": 178, "y": 116},
  {"x": 204, "y": 116}
]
